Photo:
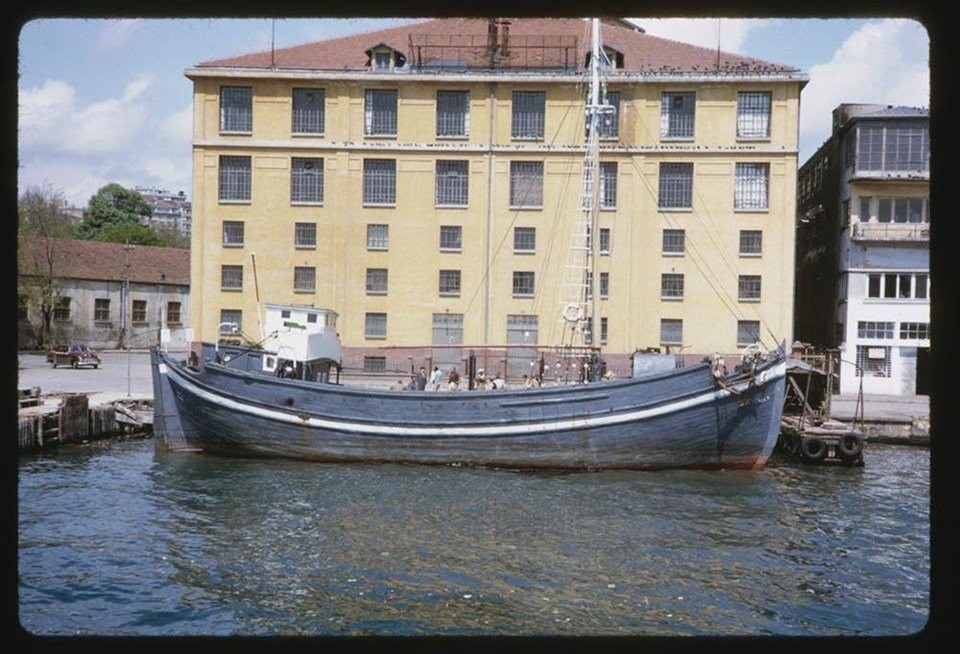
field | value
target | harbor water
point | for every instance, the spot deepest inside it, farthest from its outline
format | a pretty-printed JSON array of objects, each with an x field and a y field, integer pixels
[{"x": 115, "y": 539}]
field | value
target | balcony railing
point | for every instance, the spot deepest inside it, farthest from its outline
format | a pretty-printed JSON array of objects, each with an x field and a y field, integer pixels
[{"x": 891, "y": 232}]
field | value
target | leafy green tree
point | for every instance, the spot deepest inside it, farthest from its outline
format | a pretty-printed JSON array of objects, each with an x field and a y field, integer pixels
[
  {"x": 112, "y": 206},
  {"x": 135, "y": 234}
]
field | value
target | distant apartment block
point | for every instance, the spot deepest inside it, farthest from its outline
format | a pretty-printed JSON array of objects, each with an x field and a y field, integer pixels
[{"x": 170, "y": 210}]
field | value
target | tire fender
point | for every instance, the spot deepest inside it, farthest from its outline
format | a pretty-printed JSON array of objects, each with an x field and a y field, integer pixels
[
  {"x": 850, "y": 446},
  {"x": 813, "y": 449}
]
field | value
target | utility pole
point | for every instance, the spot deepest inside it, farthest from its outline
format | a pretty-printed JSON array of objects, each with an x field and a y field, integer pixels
[{"x": 126, "y": 317}]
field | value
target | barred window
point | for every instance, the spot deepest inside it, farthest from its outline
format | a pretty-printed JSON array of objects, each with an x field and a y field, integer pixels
[
  {"x": 522, "y": 329},
  {"x": 751, "y": 186},
  {"x": 524, "y": 239},
  {"x": 527, "y": 119},
  {"x": 451, "y": 237},
  {"x": 232, "y": 233},
  {"x": 873, "y": 361},
  {"x": 378, "y": 237},
  {"x": 375, "y": 325},
  {"x": 451, "y": 183},
  {"x": 234, "y": 176},
  {"x": 305, "y": 235},
  {"x": 671, "y": 331},
  {"x": 61, "y": 309},
  {"x": 101, "y": 310},
  {"x": 674, "y": 241},
  {"x": 526, "y": 184},
  {"x": 748, "y": 288},
  {"x": 377, "y": 279},
  {"x": 671, "y": 286},
  {"x": 308, "y": 111},
  {"x": 523, "y": 283},
  {"x": 748, "y": 332},
  {"x": 447, "y": 329},
  {"x": 449, "y": 282},
  {"x": 751, "y": 241},
  {"x": 379, "y": 181},
  {"x": 608, "y": 184},
  {"x": 304, "y": 279},
  {"x": 914, "y": 331},
  {"x": 604, "y": 240},
  {"x": 676, "y": 114},
  {"x": 380, "y": 112},
  {"x": 174, "y": 313},
  {"x": 871, "y": 329},
  {"x": 232, "y": 317},
  {"x": 306, "y": 180},
  {"x": 453, "y": 115},
  {"x": 231, "y": 278},
  {"x": 753, "y": 114},
  {"x": 139, "y": 312},
  {"x": 676, "y": 186},
  {"x": 374, "y": 364},
  {"x": 236, "y": 109}
]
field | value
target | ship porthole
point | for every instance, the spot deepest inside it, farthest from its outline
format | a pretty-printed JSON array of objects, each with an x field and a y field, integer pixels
[{"x": 288, "y": 402}]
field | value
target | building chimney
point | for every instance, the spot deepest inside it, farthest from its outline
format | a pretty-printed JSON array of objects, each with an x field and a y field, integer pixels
[{"x": 505, "y": 38}]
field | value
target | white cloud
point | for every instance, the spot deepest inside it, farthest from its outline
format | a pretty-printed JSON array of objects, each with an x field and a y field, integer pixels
[{"x": 117, "y": 33}]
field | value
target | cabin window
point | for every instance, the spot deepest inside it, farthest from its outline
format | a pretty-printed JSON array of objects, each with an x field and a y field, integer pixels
[
  {"x": 748, "y": 332},
  {"x": 379, "y": 181},
  {"x": 304, "y": 279},
  {"x": 308, "y": 111},
  {"x": 523, "y": 283},
  {"x": 449, "y": 282},
  {"x": 671, "y": 286},
  {"x": 751, "y": 186},
  {"x": 305, "y": 235},
  {"x": 451, "y": 238},
  {"x": 676, "y": 114},
  {"x": 753, "y": 114},
  {"x": 234, "y": 179},
  {"x": 101, "y": 310},
  {"x": 451, "y": 184},
  {"x": 377, "y": 281},
  {"x": 380, "y": 112},
  {"x": 676, "y": 186},
  {"x": 236, "y": 109},
  {"x": 306, "y": 180},
  {"x": 524, "y": 240},
  {"x": 378, "y": 237},
  {"x": 375, "y": 325},
  {"x": 526, "y": 184},
  {"x": 231, "y": 278},
  {"x": 527, "y": 118},
  {"x": 751, "y": 242},
  {"x": 453, "y": 113},
  {"x": 671, "y": 331},
  {"x": 232, "y": 233}
]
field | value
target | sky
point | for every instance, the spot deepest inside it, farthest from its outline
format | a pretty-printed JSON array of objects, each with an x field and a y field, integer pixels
[{"x": 105, "y": 101}]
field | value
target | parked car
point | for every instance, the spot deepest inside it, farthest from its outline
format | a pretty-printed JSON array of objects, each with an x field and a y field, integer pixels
[{"x": 75, "y": 356}]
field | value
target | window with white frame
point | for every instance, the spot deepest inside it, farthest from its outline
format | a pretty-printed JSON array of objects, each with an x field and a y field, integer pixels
[
  {"x": 676, "y": 186},
  {"x": 748, "y": 332},
  {"x": 901, "y": 286},
  {"x": 677, "y": 114},
  {"x": 751, "y": 186},
  {"x": 671, "y": 331},
  {"x": 902, "y": 210},
  {"x": 451, "y": 238},
  {"x": 751, "y": 242},
  {"x": 305, "y": 235},
  {"x": 379, "y": 181},
  {"x": 453, "y": 113},
  {"x": 231, "y": 278},
  {"x": 304, "y": 279},
  {"x": 380, "y": 112},
  {"x": 873, "y": 361},
  {"x": 748, "y": 288},
  {"x": 236, "y": 109},
  {"x": 138, "y": 314},
  {"x": 526, "y": 184},
  {"x": 524, "y": 240},
  {"x": 527, "y": 118},
  {"x": 671, "y": 286},
  {"x": 377, "y": 281},
  {"x": 873, "y": 329},
  {"x": 101, "y": 310},
  {"x": 910, "y": 331},
  {"x": 232, "y": 233},
  {"x": 674, "y": 241},
  {"x": 232, "y": 317},
  {"x": 234, "y": 179},
  {"x": 901, "y": 147},
  {"x": 523, "y": 283},
  {"x": 451, "y": 183},
  {"x": 306, "y": 180},
  {"x": 308, "y": 111},
  {"x": 375, "y": 325},
  {"x": 608, "y": 184},
  {"x": 753, "y": 114},
  {"x": 449, "y": 282},
  {"x": 378, "y": 237}
]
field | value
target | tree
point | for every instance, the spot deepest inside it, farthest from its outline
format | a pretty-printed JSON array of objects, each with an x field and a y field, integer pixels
[
  {"x": 41, "y": 211},
  {"x": 111, "y": 207}
]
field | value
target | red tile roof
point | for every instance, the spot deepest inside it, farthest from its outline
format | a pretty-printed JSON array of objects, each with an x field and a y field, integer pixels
[
  {"x": 96, "y": 260},
  {"x": 641, "y": 52}
]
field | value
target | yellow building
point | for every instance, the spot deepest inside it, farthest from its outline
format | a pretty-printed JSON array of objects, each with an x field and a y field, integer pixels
[{"x": 424, "y": 181}]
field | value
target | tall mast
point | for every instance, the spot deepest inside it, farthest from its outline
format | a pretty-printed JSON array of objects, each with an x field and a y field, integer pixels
[{"x": 594, "y": 109}]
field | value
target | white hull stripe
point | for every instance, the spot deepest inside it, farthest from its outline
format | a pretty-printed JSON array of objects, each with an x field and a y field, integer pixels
[{"x": 542, "y": 427}]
